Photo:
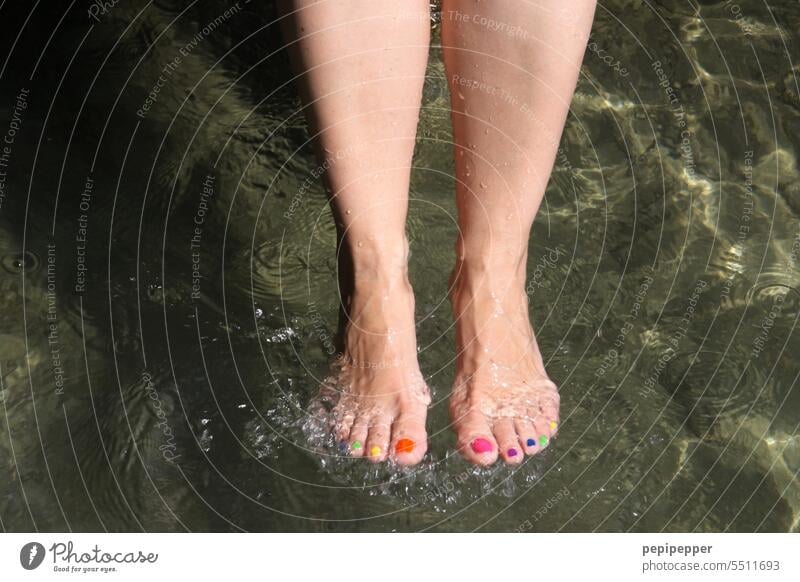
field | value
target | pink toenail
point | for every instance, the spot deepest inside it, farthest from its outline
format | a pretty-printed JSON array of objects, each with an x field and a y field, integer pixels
[{"x": 481, "y": 446}]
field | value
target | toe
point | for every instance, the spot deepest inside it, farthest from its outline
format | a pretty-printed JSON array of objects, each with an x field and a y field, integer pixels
[
  {"x": 542, "y": 430},
  {"x": 548, "y": 408},
  {"x": 527, "y": 436},
  {"x": 475, "y": 439},
  {"x": 377, "y": 442},
  {"x": 342, "y": 427},
  {"x": 358, "y": 436},
  {"x": 508, "y": 443},
  {"x": 409, "y": 438}
]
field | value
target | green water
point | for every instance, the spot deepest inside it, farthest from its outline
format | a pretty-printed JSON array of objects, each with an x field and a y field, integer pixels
[{"x": 154, "y": 376}]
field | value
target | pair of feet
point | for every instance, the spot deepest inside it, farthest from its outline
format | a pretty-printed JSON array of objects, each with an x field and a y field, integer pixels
[{"x": 503, "y": 404}]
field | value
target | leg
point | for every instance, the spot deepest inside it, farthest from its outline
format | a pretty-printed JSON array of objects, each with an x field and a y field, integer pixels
[
  {"x": 361, "y": 69},
  {"x": 512, "y": 69}
]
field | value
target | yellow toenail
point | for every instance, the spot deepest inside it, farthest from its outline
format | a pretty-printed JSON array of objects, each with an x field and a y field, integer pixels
[
  {"x": 553, "y": 425},
  {"x": 375, "y": 451}
]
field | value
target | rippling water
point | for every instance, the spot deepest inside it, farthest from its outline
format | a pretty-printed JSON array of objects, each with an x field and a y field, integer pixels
[{"x": 168, "y": 295}]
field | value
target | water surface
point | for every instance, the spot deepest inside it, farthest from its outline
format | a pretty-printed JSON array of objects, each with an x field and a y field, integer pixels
[{"x": 168, "y": 288}]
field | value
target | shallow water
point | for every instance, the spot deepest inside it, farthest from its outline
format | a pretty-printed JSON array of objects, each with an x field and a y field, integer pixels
[{"x": 155, "y": 377}]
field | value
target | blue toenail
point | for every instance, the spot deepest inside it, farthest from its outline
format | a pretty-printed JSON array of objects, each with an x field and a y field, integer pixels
[
  {"x": 531, "y": 443},
  {"x": 344, "y": 447}
]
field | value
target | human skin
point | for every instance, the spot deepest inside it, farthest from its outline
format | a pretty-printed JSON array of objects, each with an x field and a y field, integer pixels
[{"x": 512, "y": 67}]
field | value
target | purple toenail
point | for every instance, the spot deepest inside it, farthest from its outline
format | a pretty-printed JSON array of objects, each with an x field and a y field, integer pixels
[{"x": 512, "y": 452}]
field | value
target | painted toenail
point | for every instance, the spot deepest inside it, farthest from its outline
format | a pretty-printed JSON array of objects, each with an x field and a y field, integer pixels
[
  {"x": 531, "y": 443},
  {"x": 543, "y": 440},
  {"x": 481, "y": 446},
  {"x": 343, "y": 447},
  {"x": 553, "y": 425},
  {"x": 356, "y": 445},
  {"x": 512, "y": 452},
  {"x": 375, "y": 451},
  {"x": 404, "y": 446}
]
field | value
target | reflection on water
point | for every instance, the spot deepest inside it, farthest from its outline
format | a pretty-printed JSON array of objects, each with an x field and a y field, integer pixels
[{"x": 163, "y": 330}]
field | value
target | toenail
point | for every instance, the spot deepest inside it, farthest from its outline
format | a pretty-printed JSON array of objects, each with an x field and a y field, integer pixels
[
  {"x": 543, "y": 440},
  {"x": 553, "y": 425},
  {"x": 531, "y": 443},
  {"x": 404, "y": 446},
  {"x": 356, "y": 445},
  {"x": 375, "y": 451},
  {"x": 343, "y": 447},
  {"x": 512, "y": 452},
  {"x": 481, "y": 446}
]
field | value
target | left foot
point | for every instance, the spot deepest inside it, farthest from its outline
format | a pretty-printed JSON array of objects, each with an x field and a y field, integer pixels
[{"x": 503, "y": 403}]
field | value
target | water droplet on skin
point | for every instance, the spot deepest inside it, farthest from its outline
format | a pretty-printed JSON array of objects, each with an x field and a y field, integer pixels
[
  {"x": 473, "y": 146},
  {"x": 486, "y": 132},
  {"x": 361, "y": 244},
  {"x": 348, "y": 212},
  {"x": 483, "y": 185},
  {"x": 509, "y": 217}
]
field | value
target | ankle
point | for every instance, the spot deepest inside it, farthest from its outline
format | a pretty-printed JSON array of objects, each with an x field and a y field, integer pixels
[
  {"x": 503, "y": 270},
  {"x": 376, "y": 258},
  {"x": 505, "y": 257}
]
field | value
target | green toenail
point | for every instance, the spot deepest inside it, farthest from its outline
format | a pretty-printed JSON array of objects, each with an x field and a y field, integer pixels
[
  {"x": 356, "y": 445},
  {"x": 542, "y": 440}
]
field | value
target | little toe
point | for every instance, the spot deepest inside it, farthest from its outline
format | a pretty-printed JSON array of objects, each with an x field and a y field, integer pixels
[
  {"x": 527, "y": 436},
  {"x": 343, "y": 426},
  {"x": 377, "y": 442},
  {"x": 409, "y": 439},
  {"x": 548, "y": 408},
  {"x": 358, "y": 436},
  {"x": 507, "y": 441},
  {"x": 475, "y": 439}
]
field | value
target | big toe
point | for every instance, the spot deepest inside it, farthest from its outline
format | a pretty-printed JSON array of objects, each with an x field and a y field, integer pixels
[
  {"x": 409, "y": 438},
  {"x": 475, "y": 440}
]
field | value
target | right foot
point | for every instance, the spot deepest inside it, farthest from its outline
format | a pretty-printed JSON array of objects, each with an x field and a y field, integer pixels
[{"x": 377, "y": 393}]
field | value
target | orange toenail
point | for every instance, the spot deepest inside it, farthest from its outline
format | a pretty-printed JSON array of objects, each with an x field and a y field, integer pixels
[{"x": 404, "y": 446}]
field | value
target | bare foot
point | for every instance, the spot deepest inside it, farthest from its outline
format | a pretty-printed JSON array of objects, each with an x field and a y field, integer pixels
[
  {"x": 376, "y": 391},
  {"x": 503, "y": 402}
]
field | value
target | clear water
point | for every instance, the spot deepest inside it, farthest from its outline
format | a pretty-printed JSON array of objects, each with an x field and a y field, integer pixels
[{"x": 664, "y": 284}]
